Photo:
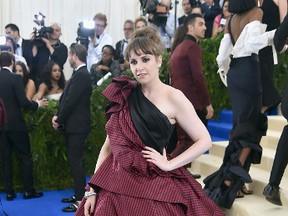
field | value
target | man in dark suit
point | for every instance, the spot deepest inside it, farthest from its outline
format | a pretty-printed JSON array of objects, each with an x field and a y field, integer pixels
[
  {"x": 186, "y": 6},
  {"x": 45, "y": 50},
  {"x": 121, "y": 45},
  {"x": 74, "y": 116},
  {"x": 15, "y": 133},
  {"x": 24, "y": 47},
  {"x": 210, "y": 10},
  {"x": 272, "y": 189},
  {"x": 187, "y": 76}
]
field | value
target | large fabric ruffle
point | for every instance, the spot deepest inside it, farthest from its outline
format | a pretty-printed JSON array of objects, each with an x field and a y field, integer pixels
[{"x": 126, "y": 173}]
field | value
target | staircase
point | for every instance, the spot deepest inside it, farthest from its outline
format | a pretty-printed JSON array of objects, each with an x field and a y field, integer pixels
[{"x": 255, "y": 204}]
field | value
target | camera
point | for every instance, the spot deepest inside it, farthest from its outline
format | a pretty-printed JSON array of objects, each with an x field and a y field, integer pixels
[
  {"x": 43, "y": 31},
  {"x": 85, "y": 30},
  {"x": 158, "y": 13}
]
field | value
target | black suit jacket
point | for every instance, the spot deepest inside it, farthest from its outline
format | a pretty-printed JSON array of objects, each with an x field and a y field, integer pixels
[
  {"x": 27, "y": 51},
  {"x": 74, "y": 105},
  {"x": 13, "y": 94},
  {"x": 181, "y": 20},
  {"x": 119, "y": 49}
]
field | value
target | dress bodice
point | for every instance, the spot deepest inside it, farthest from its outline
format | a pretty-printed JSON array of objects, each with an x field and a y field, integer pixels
[{"x": 53, "y": 96}]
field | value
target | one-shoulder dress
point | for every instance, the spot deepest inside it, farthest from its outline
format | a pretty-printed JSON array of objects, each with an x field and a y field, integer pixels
[{"x": 125, "y": 182}]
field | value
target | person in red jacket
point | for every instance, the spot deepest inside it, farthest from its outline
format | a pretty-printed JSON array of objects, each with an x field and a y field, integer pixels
[{"x": 187, "y": 75}]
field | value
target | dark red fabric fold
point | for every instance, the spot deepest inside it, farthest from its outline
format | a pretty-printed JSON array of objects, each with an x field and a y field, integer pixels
[{"x": 126, "y": 171}]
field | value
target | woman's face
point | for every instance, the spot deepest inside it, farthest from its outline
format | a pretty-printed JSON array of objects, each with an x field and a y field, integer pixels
[
  {"x": 19, "y": 70},
  {"x": 145, "y": 67},
  {"x": 226, "y": 13},
  {"x": 107, "y": 55},
  {"x": 140, "y": 24},
  {"x": 56, "y": 72}
]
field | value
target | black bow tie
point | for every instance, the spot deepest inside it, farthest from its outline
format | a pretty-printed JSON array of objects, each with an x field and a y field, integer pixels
[
  {"x": 125, "y": 41},
  {"x": 97, "y": 36}
]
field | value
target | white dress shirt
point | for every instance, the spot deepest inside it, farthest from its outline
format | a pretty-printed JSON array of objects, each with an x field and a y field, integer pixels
[{"x": 95, "y": 53}]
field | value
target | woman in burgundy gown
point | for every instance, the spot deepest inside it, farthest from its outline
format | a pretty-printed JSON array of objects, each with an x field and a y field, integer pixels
[{"x": 133, "y": 174}]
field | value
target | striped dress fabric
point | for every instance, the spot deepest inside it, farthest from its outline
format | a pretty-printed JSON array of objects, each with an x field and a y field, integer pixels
[{"x": 129, "y": 185}]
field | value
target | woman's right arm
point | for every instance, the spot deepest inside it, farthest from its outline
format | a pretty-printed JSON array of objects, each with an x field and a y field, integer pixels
[
  {"x": 91, "y": 200},
  {"x": 104, "y": 153},
  {"x": 41, "y": 91}
]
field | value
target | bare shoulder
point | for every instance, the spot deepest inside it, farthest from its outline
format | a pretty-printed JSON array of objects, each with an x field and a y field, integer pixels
[
  {"x": 31, "y": 82},
  {"x": 177, "y": 97},
  {"x": 43, "y": 85},
  {"x": 256, "y": 14}
]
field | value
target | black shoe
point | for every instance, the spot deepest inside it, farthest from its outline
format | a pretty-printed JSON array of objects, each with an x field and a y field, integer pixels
[
  {"x": 69, "y": 200},
  {"x": 196, "y": 176},
  {"x": 272, "y": 194},
  {"x": 71, "y": 208},
  {"x": 32, "y": 194},
  {"x": 10, "y": 195}
]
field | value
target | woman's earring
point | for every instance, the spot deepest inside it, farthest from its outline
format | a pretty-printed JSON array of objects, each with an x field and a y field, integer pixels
[{"x": 158, "y": 66}]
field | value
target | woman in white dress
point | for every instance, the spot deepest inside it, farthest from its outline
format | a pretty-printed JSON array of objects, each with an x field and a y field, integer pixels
[
  {"x": 53, "y": 82},
  {"x": 244, "y": 36}
]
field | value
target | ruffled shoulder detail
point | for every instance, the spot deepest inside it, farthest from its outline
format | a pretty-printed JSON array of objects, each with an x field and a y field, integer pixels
[{"x": 118, "y": 92}]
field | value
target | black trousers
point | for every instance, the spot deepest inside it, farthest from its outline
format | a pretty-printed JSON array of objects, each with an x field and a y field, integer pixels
[
  {"x": 280, "y": 159},
  {"x": 19, "y": 141},
  {"x": 75, "y": 146}
]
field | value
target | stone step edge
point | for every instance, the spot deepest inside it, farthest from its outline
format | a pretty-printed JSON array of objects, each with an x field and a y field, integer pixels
[{"x": 259, "y": 176}]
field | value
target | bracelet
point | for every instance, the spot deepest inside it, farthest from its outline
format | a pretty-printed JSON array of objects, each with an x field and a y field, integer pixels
[{"x": 89, "y": 193}]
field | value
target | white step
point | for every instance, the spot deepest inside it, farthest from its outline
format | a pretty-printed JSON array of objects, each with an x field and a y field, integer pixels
[
  {"x": 207, "y": 164},
  {"x": 276, "y": 123},
  {"x": 266, "y": 160},
  {"x": 255, "y": 204}
]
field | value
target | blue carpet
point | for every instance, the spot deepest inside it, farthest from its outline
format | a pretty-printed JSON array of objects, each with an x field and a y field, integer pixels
[{"x": 48, "y": 205}]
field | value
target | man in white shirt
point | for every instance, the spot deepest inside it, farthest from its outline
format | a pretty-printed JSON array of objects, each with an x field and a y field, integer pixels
[
  {"x": 10, "y": 46},
  {"x": 23, "y": 46},
  {"x": 98, "y": 40}
]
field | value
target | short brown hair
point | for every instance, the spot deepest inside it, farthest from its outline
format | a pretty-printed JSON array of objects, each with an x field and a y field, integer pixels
[
  {"x": 100, "y": 16},
  {"x": 79, "y": 50},
  {"x": 6, "y": 59},
  {"x": 146, "y": 40}
]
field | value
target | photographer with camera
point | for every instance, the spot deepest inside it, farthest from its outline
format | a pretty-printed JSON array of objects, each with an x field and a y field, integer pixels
[
  {"x": 121, "y": 45},
  {"x": 98, "y": 40},
  {"x": 162, "y": 18},
  {"x": 47, "y": 47}
]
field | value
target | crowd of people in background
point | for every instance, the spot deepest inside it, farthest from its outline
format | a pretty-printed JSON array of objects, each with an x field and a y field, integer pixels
[{"x": 40, "y": 63}]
